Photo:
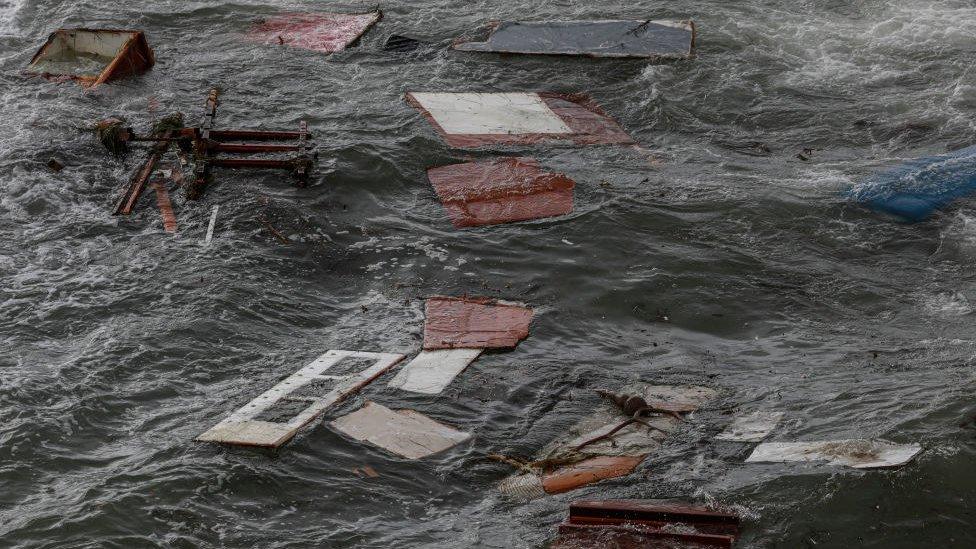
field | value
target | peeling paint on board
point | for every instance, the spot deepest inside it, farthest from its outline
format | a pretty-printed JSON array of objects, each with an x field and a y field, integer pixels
[
  {"x": 857, "y": 453},
  {"x": 431, "y": 371},
  {"x": 474, "y": 323},
  {"x": 497, "y": 191},
  {"x": 323, "y": 32},
  {"x": 647, "y": 39},
  {"x": 471, "y": 120},
  {"x": 404, "y": 432}
]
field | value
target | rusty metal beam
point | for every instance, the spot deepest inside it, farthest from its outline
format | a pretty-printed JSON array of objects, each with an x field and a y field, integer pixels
[
  {"x": 254, "y": 135},
  {"x": 253, "y": 163},
  {"x": 138, "y": 182},
  {"x": 246, "y": 149}
]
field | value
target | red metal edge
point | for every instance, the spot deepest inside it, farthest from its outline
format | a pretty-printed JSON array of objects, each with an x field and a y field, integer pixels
[{"x": 624, "y": 537}]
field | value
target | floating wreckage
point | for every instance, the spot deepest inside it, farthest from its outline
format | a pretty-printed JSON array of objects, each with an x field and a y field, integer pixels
[
  {"x": 322, "y": 32},
  {"x": 456, "y": 332},
  {"x": 470, "y": 120},
  {"x": 618, "y": 523},
  {"x": 273, "y": 418},
  {"x": 856, "y": 453},
  {"x": 752, "y": 427},
  {"x": 610, "y": 443},
  {"x": 915, "y": 190},
  {"x": 403, "y": 432},
  {"x": 647, "y": 39},
  {"x": 205, "y": 143},
  {"x": 501, "y": 191},
  {"x": 92, "y": 56}
]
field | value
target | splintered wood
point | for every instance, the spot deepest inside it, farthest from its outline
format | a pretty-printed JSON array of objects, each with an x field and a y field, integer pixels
[
  {"x": 321, "y": 391},
  {"x": 470, "y": 120},
  {"x": 323, "y": 32},
  {"x": 501, "y": 191},
  {"x": 404, "y": 432},
  {"x": 474, "y": 323}
]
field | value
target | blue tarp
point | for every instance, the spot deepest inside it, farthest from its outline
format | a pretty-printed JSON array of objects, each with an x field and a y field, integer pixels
[{"x": 914, "y": 190}]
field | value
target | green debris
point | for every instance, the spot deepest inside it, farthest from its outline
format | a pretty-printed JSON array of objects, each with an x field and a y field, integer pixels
[
  {"x": 111, "y": 133},
  {"x": 173, "y": 122}
]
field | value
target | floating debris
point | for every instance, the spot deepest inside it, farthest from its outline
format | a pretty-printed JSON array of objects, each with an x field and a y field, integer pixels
[
  {"x": 474, "y": 323},
  {"x": 404, "y": 432},
  {"x": 273, "y": 418},
  {"x": 92, "y": 56},
  {"x": 857, "y": 453},
  {"x": 468, "y": 120},
  {"x": 609, "y": 443},
  {"x": 403, "y": 44},
  {"x": 656, "y": 40},
  {"x": 431, "y": 371},
  {"x": 165, "y": 205},
  {"x": 323, "y": 32},
  {"x": 918, "y": 188},
  {"x": 645, "y": 523},
  {"x": 365, "y": 472},
  {"x": 751, "y": 427},
  {"x": 501, "y": 191},
  {"x": 210, "y": 227},
  {"x": 54, "y": 165}
]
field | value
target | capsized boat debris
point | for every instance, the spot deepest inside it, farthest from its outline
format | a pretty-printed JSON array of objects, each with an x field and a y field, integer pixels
[
  {"x": 406, "y": 433},
  {"x": 474, "y": 323},
  {"x": 431, "y": 371},
  {"x": 752, "y": 427},
  {"x": 611, "y": 442},
  {"x": 617, "y": 523},
  {"x": 471, "y": 120},
  {"x": 857, "y": 453},
  {"x": 915, "y": 190},
  {"x": 322, "y": 32},
  {"x": 649, "y": 39},
  {"x": 503, "y": 190},
  {"x": 92, "y": 56},
  {"x": 275, "y": 416}
]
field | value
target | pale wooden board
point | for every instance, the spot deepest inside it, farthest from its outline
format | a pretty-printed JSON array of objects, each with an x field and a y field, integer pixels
[
  {"x": 491, "y": 113},
  {"x": 751, "y": 427},
  {"x": 242, "y": 428},
  {"x": 431, "y": 371},
  {"x": 403, "y": 432},
  {"x": 857, "y": 453}
]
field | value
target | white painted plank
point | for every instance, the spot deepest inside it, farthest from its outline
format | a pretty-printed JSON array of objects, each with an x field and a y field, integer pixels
[
  {"x": 403, "y": 432},
  {"x": 491, "y": 113},
  {"x": 751, "y": 427},
  {"x": 241, "y": 427},
  {"x": 213, "y": 223},
  {"x": 857, "y": 453},
  {"x": 431, "y": 371}
]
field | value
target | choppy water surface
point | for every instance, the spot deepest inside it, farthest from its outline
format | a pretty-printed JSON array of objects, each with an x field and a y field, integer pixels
[{"x": 734, "y": 264}]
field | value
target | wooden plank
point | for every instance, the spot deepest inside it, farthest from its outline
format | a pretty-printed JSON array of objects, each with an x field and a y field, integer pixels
[
  {"x": 857, "y": 453},
  {"x": 751, "y": 427},
  {"x": 165, "y": 206},
  {"x": 404, "y": 432},
  {"x": 213, "y": 223},
  {"x": 242, "y": 427},
  {"x": 431, "y": 371}
]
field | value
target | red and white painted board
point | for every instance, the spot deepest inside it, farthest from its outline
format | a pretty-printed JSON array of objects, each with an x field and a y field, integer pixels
[
  {"x": 323, "y": 32},
  {"x": 471, "y": 120},
  {"x": 404, "y": 432},
  {"x": 243, "y": 428},
  {"x": 497, "y": 191},
  {"x": 474, "y": 323}
]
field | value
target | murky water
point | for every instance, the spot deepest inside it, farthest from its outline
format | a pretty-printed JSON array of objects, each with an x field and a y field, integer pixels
[{"x": 733, "y": 265}]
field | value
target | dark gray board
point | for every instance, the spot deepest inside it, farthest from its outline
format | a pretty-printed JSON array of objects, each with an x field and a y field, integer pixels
[{"x": 671, "y": 40}]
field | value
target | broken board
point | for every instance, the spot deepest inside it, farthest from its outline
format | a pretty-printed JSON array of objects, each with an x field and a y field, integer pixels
[
  {"x": 322, "y": 32},
  {"x": 656, "y": 40},
  {"x": 501, "y": 191},
  {"x": 474, "y": 323},
  {"x": 751, "y": 427},
  {"x": 616, "y": 456},
  {"x": 403, "y": 432},
  {"x": 313, "y": 388},
  {"x": 470, "y": 120},
  {"x": 857, "y": 453},
  {"x": 431, "y": 371},
  {"x": 92, "y": 56}
]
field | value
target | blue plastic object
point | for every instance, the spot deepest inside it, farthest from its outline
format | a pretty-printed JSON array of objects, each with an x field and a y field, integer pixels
[{"x": 914, "y": 190}]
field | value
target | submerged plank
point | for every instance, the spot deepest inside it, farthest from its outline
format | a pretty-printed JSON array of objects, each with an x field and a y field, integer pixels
[
  {"x": 504, "y": 190},
  {"x": 616, "y": 38},
  {"x": 469, "y": 120},
  {"x": 311, "y": 387},
  {"x": 751, "y": 427},
  {"x": 404, "y": 432},
  {"x": 857, "y": 453},
  {"x": 431, "y": 371},
  {"x": 323, "y": 32},
  {"x": 474, "y": 323}
]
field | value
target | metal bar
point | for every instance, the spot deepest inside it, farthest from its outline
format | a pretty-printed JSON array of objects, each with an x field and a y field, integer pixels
[
  {"x": 138, "y": 182},
  {"x": 234, "y": 148},
  {"x": 252, "y": 163},
  {"x": 253, "y": 135}
]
